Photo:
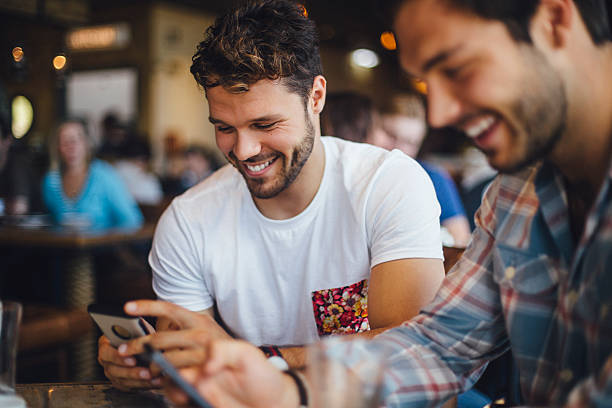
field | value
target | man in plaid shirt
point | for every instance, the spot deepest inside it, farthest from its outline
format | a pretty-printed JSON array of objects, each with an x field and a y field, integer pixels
[{"x": 531, "y": 83}]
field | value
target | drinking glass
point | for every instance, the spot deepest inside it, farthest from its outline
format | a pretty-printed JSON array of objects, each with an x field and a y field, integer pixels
[{"x": 10, "y": 317}]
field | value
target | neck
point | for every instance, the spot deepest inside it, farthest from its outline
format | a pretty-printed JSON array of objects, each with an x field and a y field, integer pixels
[
  {"x": 76, "y": 168},
  {"x": 584, "y": 151},
  {"x": 295, "y": 198}
]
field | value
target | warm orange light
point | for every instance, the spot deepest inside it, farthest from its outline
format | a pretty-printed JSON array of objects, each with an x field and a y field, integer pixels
[
  {"x": 420, "y": 86},
  {"x": 387, "y": 39},
  {"x": 59, "y": 62},
  {"x": 304, "y": 11},
  {"x": 17, "y": 54}
]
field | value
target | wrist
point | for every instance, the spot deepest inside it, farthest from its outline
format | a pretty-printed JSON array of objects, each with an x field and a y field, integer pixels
[{"x": 295, "y": 390}]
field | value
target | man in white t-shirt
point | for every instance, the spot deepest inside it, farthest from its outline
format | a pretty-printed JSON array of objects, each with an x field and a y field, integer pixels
[{"x": 302, "y": 236}]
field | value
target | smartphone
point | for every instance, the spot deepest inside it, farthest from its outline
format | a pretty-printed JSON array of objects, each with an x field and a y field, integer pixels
[
  {"x": 155, "y": 356},
  {"x": 116, "y": 325}
]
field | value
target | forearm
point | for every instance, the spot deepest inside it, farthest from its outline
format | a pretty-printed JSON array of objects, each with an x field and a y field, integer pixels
[{"x": 296, "y": 356}]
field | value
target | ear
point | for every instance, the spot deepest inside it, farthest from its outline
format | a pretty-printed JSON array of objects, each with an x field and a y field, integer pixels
[
  {"x": 553, "y": 22},
  {"x": 317, "y": 95}
]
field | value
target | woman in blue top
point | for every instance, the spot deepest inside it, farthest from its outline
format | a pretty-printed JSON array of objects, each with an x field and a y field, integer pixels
[{"x": 80, "y": 191}]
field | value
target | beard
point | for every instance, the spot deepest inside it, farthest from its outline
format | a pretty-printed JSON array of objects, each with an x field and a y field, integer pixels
[
  {"x": 290, "y": 167},
  {"x": 541, "y": 110}
]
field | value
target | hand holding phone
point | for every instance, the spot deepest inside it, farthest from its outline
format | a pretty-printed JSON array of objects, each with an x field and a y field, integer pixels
[{"x": 117, "y": 326}]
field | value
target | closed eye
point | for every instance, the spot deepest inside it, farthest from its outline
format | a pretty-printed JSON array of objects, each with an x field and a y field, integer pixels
[
  {"x": 264, "y": 126},
  {"x": 453, "y": 72},
  {"x": 225, "y": 129}
]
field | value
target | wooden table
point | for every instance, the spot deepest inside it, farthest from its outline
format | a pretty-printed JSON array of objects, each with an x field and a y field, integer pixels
[
  {"x": 88, "y": 395},
  {"x": 79, "y": 286}
]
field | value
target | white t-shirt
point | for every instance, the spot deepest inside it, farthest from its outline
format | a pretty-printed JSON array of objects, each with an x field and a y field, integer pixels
[{"x": 269, "y": 278}]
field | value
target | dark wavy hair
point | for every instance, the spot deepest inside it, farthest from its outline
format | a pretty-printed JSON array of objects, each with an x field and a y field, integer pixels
[
  {"x": 517, "y": 14},
  {"x": 265, "y": 39}
]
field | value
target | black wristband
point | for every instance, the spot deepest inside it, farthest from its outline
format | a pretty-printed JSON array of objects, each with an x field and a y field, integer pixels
[{"x": 300, "y": 386}]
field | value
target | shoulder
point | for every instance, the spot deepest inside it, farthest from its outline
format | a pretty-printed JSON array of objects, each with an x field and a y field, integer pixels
[
  {"x": 101, "y": 169},
  {"x": 509, "y": 194},
  {"x": 361, "y": 161}
]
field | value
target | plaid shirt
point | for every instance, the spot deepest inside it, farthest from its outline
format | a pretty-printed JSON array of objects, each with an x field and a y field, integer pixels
[{"x": 521, "y": 283}]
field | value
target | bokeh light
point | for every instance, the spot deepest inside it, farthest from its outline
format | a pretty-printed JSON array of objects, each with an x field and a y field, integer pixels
[
  {"x": 17, "y": 54},
  {"x": 365, "y": 58},
  {"x": 387, "y": 39},
  {"x": 59, "y": 62}
]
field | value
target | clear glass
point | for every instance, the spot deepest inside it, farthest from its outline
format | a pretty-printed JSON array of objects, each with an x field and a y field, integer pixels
[
  {"x": 334, "y": 384},
  {"x": 10, "y": 317}
]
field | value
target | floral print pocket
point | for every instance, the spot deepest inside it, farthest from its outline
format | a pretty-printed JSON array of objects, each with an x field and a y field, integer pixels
[{"x": 342, "y": 310}]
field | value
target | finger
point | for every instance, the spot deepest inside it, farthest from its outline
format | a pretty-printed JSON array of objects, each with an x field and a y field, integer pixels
[
  {"x": 134, "y": 346},
  {"x": 174, "y": 393},
  {"x": 162, "y": 341},
  {"x": 181, "y": 359},
  {"x": 230, "y": 354},
  {"x": 121, "y": 373},
  {"x": 107, "y": 354},
  {"x": 185, "y": 318}
]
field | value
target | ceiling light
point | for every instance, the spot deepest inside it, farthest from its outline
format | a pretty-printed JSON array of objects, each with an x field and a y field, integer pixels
[
  {"x": 59, "y": 62},
  {"x": 17, "y": 54},
  {"x": 365, "y": 58}
]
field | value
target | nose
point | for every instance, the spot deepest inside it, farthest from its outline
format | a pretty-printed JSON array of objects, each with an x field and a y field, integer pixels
[
  {"x": 246, "y": 146},
  {"x": 443, "y": 106}
]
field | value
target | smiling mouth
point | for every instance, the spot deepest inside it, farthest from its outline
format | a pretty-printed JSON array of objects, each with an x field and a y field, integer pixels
[{"x": 257, "y": 169}]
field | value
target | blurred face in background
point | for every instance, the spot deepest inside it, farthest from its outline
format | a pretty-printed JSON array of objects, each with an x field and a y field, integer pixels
[
  {"x": 503, "y": 94},
  {"x": 197, "y": 164},
  {"x": 73, "y": 147},
  {"x": 266, "y": 133},
  {"x": 407, "y": 132},
  {"x": 378, "y": 136}
]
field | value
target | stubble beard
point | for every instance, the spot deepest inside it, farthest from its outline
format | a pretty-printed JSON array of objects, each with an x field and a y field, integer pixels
[
  {"x": 542, "y": 112},
  {"x": 288, "y": 173}
]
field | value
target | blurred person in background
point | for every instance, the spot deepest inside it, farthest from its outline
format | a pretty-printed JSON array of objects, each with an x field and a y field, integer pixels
[
  {"x": 114, "y": 136},
  {"x": 195, "y": 164},
  {"x": 352, "y": 116},
  {"x": 200, "y": 162},
  {"x": 406, "y": 125},
  {"x": 85, "y": 192},
  {"x": 133, "y": 166}
]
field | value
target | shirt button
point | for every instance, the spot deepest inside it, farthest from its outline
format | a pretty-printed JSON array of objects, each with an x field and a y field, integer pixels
[
  {"x": 566, "y": 375},
  {"x": 510, "y": 272}
]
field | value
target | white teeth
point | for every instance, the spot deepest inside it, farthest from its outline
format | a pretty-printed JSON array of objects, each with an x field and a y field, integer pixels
[
  {"x": 259, "y": 167},
  {"x": 479, "y": 127}
]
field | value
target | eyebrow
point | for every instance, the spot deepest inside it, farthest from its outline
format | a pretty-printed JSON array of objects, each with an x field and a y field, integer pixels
[
  {"x": 439, "y": 58},
  {"x": 272, "y": 118}
]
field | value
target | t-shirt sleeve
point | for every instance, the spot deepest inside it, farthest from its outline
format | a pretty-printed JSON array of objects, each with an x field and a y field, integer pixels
[
  {"x": 175, "y": 261},
  {"x": 402, "y": 213}
]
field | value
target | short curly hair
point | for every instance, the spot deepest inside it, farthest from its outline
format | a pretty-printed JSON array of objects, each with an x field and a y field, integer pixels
[{"x": 265, "y": 39}]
